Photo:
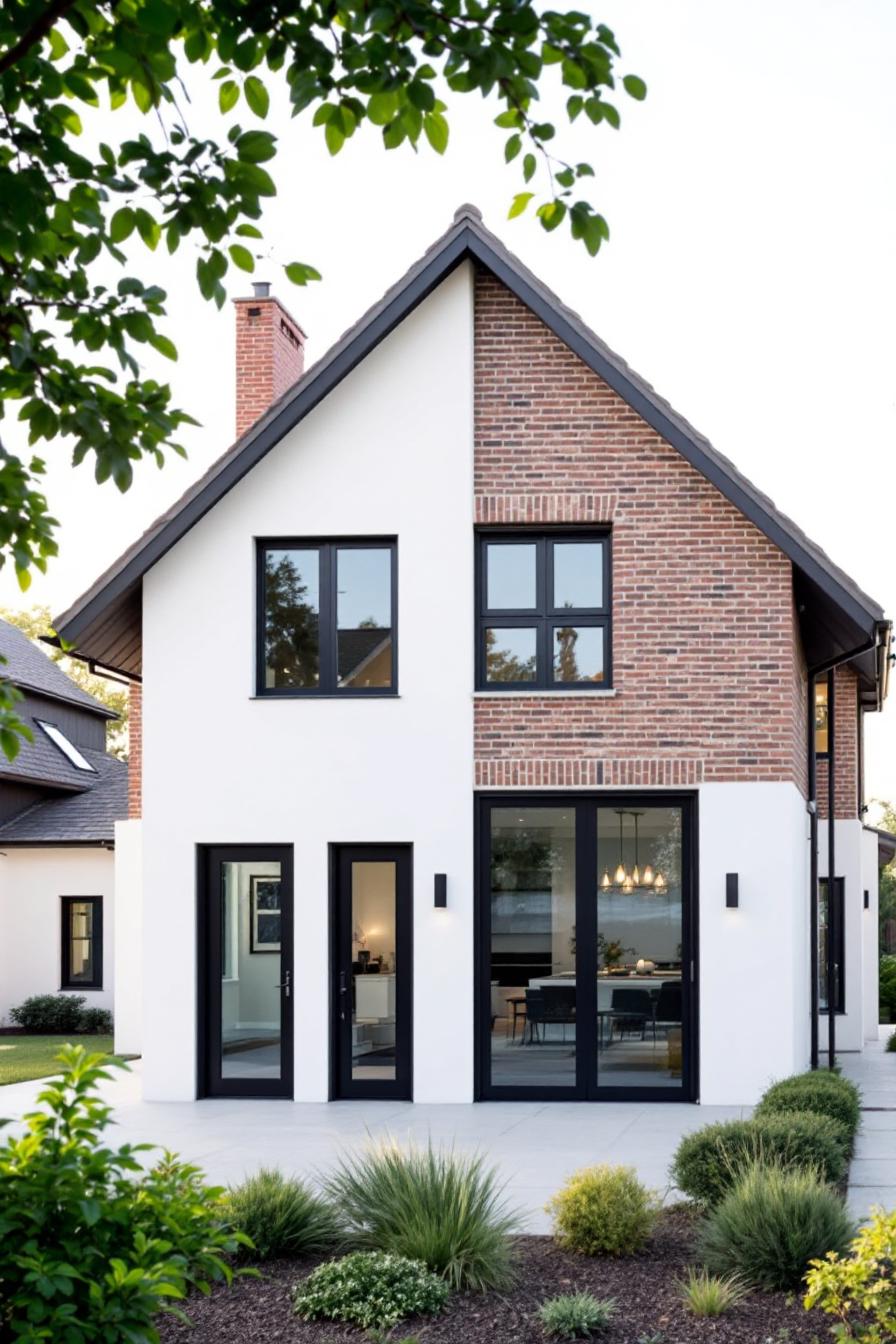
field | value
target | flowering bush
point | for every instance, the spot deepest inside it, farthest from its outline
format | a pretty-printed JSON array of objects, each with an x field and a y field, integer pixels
[{"x": 371, "y": 1289}]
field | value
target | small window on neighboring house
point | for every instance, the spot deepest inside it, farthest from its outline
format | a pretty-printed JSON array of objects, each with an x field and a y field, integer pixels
[
  {"x": 82, "y": 942},
  {"x": 830, "y": 928},
  {"x": 326, "y": 618},
  {"x": 821, "y": 718},
  {"x": 68, "y": 749},
  {"x": 543, "y": 611}
]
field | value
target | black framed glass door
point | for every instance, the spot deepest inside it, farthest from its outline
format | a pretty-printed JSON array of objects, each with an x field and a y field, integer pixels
[
  {"x": 372, "y": 971},
  {"x": 245, "y": 944},
  {"x": 587, "y": 939}
]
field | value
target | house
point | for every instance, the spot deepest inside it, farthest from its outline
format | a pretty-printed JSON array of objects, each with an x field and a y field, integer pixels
[
  {"x": 59, "y": 801},
  {"x": 488, "y": 713}
]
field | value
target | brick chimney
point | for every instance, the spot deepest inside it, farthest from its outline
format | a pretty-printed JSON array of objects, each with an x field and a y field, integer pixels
[{"x": 270, "y": 354}]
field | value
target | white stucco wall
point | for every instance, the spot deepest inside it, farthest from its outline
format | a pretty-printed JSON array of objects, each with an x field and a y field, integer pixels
[
  {"x": 128, "y": 937},
  {"x": 31, "y": 883},
  {"x": 870, "y": 882},
  {"x": 848, "y": 837},
  {"x": 389, "y": 454},
  {"x": 754, "y": 961}
]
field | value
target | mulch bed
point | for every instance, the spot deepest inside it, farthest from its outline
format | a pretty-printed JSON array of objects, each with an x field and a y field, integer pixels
[{"x": 643, "y": 1286}]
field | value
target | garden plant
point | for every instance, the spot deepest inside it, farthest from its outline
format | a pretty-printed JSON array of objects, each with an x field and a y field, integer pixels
[
  {"x": 823, "y": 1092},
  {"x": 603, "y": 1210},
  {"x": 372, "y": 1289},
  {"x": 282, "y": 1216},
  {"x": 859, "y": 1288},
  {"x": 576, "y": 1315},
  {"x": 706, "y": 1294}
]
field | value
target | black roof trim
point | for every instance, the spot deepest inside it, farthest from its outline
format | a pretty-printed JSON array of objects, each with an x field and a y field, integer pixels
[{"x": 466, "y": 239}]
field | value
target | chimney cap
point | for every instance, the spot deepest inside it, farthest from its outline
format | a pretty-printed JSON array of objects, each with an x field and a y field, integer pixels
[{"x": 261, "y": 289}]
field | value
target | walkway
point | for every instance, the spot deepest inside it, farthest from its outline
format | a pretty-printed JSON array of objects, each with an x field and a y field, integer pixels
[
  {"x": 535, "y": 1145},
  {"x": 872, "y": 1177}
]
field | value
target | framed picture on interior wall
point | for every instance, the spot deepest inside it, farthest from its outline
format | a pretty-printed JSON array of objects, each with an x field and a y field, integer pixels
[{"x": 264, "y": 919}]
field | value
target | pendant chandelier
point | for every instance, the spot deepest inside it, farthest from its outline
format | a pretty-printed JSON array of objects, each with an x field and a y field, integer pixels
[{"x": 640, "y": 879}]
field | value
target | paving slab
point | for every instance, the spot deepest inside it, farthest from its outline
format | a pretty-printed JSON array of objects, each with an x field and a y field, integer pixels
[{"x": 872, "y": 1174}]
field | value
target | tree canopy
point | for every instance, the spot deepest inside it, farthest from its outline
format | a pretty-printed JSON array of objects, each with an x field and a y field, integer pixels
[{"x": 69, "y": 340}]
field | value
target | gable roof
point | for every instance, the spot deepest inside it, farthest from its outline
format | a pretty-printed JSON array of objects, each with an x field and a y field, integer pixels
[
  {"x": 104, "y": 624},
  {"x": 28, "y": 667}
]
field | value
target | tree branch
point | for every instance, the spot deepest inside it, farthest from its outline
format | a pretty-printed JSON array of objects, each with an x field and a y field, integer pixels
[{"x": 38, "y": 30}]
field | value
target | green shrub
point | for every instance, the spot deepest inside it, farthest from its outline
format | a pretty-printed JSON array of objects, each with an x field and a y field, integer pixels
[
  {"x": 576, "y": 1315},
  {"x": 707, "y": 1162},
  {"x": 603, "y": 1210},
  {"x": 888, "y": 989},
  {"x": 430, "y": 1205},
  {"x": 95, "y": 1022},
  {"x": 282, "y": 1216},
  {"x": 860, "y": 1288},
  {"x": 92, "y": 1245},
  {"x": 891, "y": 1042},
  {"x": 706, "y": 1294},
  {"x": 49, "y": 1014},
  {"x": 771, "y": 1224},
  {"x": 370, "y": 1289},
  {"x": 822, "y": 1092}
]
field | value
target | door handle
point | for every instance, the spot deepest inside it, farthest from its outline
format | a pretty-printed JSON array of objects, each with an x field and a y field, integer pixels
[
  {"x": 343, "y": 987},
  {"x": 285, "y": 983}
]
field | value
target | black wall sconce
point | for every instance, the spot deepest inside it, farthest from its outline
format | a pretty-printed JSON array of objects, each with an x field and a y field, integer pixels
[
  {"x": 440, "y": 890},
  {"x": 867, "y": 900},
  {"x": 732, "y": 897}
]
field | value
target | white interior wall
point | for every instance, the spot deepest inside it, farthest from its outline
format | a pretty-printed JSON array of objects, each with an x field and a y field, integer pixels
[
  {"x": 310, "y": 772},
  {"x": 754, "y": 961},
  {"x": 31, "y": 883}
]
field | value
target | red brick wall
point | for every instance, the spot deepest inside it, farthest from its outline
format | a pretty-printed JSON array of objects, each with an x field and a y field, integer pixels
[
  {"x": 846, "y": 749},
  {"x": 704, "y": 656},
  {"x": 270, "y": 357},
  {"x": 135, "y": 751}
]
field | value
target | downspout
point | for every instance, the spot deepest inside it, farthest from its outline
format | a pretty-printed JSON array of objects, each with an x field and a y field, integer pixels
[{"x": 828, "y": 667}]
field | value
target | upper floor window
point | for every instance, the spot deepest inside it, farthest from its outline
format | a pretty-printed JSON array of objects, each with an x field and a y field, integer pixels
[
  {"x": 543, "y": 611},
  {"x": 326, "y": 617},
  {"x": 821, "y": 718}
]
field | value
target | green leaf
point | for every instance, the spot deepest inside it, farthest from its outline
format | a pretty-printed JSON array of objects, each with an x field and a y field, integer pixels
[
  {"x": 551, "y": 214},
  {"x": 122, "y": 224},
  {"x": 300, "y": 274},
  {"x": 228, "y": 95},
  {"x": 382, "y": 107},
  {"x": 257, "y": 96},
  {"x": 242, "y": 257},
  {"x": 635, "y": 87},
  {"x": 512, "y": 148},
  {"x": 248, "y": 231},
  {"x": 520, "y": 201},
  {"x": 256, "y": 146},
  {"x": 163, "y": 345},
  {"x": 334, "y": 136},
  {"x": 528, "y": 167},
  {"x": 435, "y": 128}
]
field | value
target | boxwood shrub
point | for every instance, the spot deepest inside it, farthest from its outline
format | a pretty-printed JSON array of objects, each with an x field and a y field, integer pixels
[
  {"x": 371, "y": 1289},
  {"x": 825, "y": 1093},
  {"x": 603, "y": 1210},
  {"x": 707, "y": 1163}
]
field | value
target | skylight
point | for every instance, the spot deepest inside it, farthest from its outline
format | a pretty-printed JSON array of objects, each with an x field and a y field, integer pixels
[{"x": 68, "y": 749}]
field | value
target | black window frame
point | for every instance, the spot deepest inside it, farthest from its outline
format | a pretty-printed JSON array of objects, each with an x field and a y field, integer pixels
[
  {"x": 328, "y": 682},
  {"x": 544, "y": 617},
  {"x": 96, "y": 937},
  {"x": 834, "y": 928}
]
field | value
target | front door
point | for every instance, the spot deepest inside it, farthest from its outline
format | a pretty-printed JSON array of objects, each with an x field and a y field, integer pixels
[
  {"x": 587, "y": 947},
  {"x": 245, "y": 972},
  {"x": 372, "y": 971}
]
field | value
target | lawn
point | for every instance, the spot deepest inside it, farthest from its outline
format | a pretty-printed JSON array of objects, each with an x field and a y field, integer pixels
[{"x": 24, "y": 1057}]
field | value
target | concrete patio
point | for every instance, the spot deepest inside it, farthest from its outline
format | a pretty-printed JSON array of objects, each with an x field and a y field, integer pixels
[{"x": 536, "y": 1145}]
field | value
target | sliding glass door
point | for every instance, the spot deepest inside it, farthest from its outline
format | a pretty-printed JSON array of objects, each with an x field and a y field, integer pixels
[{"x": 586, "y": 947}]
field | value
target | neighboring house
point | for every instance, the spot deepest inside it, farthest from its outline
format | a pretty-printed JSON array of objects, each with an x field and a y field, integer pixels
[
  {"x": 59, "y": 801},
  {"x": 478, "y": 747}
]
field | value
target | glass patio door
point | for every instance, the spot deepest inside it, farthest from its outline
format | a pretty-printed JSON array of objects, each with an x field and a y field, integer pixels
[
  {"x": 245, "y": 964},
  {"x": 585, "y": 948}
]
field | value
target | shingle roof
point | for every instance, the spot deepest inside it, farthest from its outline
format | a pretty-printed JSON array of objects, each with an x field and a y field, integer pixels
[
  {"x": 106, "y": 617},
  {"x": 29, "y": 667},
  {"x": 83, "y": 818},
  {"x": 42, "y": 762}
]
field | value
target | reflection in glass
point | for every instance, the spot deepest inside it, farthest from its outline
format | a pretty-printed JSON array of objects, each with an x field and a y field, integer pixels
[
  {"x": 639, "y": 947},
  {"x": 510, "y": 654},
  {"x": 510, "y": 576},
  {"x": 821, "y": 717},
  {"x": 533, "y": 947},
  {"x": 80, "y": 963},
  {"x": 373, "y": 970},
  {"x": 578, "y": 653},
  {"x": 578, "y": 574},
  {"x": 250, "y": 962},
  {"x": 291, "y": 618},
  {"x": 364, "y": 616}
]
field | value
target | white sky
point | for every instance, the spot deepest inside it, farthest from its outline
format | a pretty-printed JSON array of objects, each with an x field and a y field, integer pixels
[{"x": 750, "y": 276}]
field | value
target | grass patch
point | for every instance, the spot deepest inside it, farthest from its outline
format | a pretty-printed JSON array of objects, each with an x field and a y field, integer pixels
[{"x": 26, "y": 1057}]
